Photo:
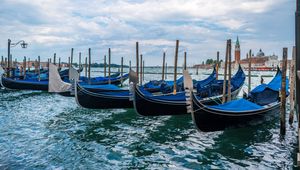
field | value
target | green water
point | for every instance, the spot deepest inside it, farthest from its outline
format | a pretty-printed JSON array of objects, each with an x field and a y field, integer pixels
[{"x": 47, "y": 131}]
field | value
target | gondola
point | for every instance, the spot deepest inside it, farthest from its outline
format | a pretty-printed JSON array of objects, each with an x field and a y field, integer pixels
[
  {"x": 57, "y": 85},
  {"x": 154, "y": 86},
  {"x": 42, "y": 84},
  {"x": 27, "y": 83},
  {"x": 17, "y": 84},
  {"x": 166, "y": 87},
  {"x": 147, "y": 104},
  {"x": 103, "y": 97},
  {"x": 105, "y": 80},
  {"x": 261, "y": 101},
  {"x": 94, "y": 97}
]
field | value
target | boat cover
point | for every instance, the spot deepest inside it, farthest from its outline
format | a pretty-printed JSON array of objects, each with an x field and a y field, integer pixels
[
  {"x": 105, "y": 86},
  {"x": 56, "y": 85},
  {"x": 237, "y": 105}
]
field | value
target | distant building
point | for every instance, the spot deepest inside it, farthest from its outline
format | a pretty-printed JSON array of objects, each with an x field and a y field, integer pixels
[{"x": 261, "y": 61}]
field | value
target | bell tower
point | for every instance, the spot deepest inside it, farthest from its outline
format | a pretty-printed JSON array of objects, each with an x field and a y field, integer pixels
[{"x": 237, "y": 52}]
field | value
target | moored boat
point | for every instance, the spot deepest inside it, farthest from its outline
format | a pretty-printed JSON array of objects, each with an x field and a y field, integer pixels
[
  {"x": 148, "y": 104},
  {"x": 261, "y": 101}
]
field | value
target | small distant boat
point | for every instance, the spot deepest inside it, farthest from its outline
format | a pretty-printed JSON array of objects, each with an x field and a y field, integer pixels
[
  {"x": 208, "y": 91},
  {"x": 262, "y": 100}
]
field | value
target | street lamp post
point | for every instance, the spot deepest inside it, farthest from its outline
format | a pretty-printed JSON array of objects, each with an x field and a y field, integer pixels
[{"x": 9, "y": 57}]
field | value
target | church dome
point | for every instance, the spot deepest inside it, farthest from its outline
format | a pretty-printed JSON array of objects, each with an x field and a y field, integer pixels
[{"x": 260, "y": 53}]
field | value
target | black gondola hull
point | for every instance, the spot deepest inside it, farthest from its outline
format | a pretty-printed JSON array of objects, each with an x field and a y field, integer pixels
[
  {"x": 23, "y": 85},
  {"x": 93, "y": 100},
  {"x": 208, "y": 120},
  {"x": 151, "y": 107}
]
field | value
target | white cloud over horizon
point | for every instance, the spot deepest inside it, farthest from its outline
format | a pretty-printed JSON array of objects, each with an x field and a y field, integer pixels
[{"x": 201, "y": 26}]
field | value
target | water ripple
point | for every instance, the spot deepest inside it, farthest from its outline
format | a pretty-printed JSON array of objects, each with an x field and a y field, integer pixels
[{"x": 44, "y": 131}]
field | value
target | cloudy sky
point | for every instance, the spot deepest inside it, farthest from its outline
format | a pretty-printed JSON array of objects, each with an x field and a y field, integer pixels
[{"x": 202, "y": 26}]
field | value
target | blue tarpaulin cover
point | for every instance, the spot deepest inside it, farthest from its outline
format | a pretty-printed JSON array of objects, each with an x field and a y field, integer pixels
[
  {"x": 237, "y": 105},
  {"x": 106, "y": 86}
]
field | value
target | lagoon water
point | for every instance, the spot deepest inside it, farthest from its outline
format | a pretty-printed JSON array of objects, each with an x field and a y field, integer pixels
[{"x": 47, "y": 131}]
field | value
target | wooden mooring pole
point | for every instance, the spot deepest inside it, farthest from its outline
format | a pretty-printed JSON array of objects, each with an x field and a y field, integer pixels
[
  {"x": 54, "y": 59},
  {"x": 109, "y": 60},
  {"x": 141, "y": 69},
  {"x": 249, "y": 71},
  {"x": 298, "y": 59},
  {"x": 28, "y": 64},
  {"x": 39, "y": 67},
  {"x": 229, "y": 71},
  {"x": 184, "y": 64},
  {"x": 89, "y": 72},
  {"x": 175, "y": 67},
  {"x": 166, "y": 71},
  {"x": 85, "y": 67},
  {"x": 72, "y": 52},
  {"x": 217, "y": 65},
  {"x": 35, "y": 66},
  {"x": 163, "y": 66},
  {"x": 292, "y": 86},
  {"x": 129, "y": 65},
  {"x": 24, "y": 68},
  {"x": 122, "y": 62},
  {"x": 104, "y": 65},
  {"x": 79, "y": 63},
  {"x": 2, "y": 60},
  {"x": 69, "y": 63},
  {"x": 283, "y": 93},
  {"x": 225, "y": 75},
  {"x": 297, "y": 40},
  {"x": 137, "y": 61},
  {"x": 5, "y": 63},
  {"x": 59, "y": 66}
]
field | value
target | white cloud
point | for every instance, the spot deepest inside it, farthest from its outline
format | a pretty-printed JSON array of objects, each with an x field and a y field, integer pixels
[{"x": 201, "y": 25}]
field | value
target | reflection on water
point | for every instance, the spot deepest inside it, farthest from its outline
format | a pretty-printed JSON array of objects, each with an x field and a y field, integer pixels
[{"x": 44, "y": 131}]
